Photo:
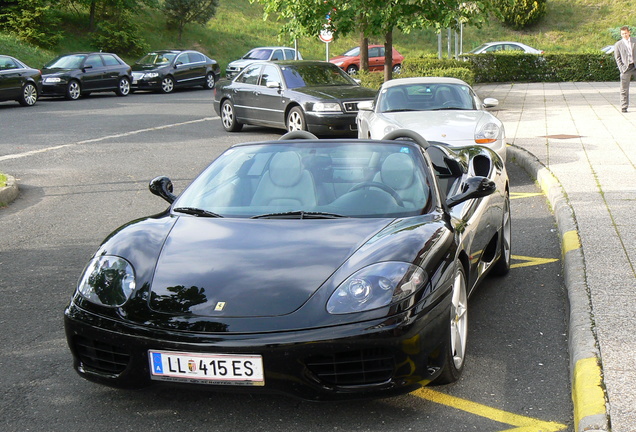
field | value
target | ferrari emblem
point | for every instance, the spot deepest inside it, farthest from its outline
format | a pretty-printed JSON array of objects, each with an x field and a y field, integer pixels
[{"x": 219, "y": 306}]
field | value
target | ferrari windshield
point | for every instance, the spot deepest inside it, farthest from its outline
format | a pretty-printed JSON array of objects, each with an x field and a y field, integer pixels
[
  {"x": 426, "y": 97},
  {"x": 307, "y": 179},
  {"x": 315, "y": 75}
]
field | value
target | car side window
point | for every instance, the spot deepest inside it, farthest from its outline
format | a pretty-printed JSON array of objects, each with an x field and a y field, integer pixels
[
  {"x": 510, "y": 47},
  {"x": 278, "y": 55},
  {"x": 289, "y": 54},
  {"x": 7, "y": 63},
  {"x": 270, "y": 74},
  {"x": 94, "y": 61},
  {"x": 195, "y": 57},
  {"x": 374, "y": 52},
  {"x": 250, "y": 75},
  {"x": 110, "y": 60},
  {"x": 183, "y": 58}
]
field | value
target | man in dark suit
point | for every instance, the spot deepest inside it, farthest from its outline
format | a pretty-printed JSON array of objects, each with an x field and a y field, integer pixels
[{"x": 624, "y": 51}]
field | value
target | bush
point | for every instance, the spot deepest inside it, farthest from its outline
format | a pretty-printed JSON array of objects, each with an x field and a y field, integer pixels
[
  {"x": 32, "y": 21},
  {"x": 422, "y": 68},
  {"x": 520, "y": 14},
  {"x": 120, "y": 37}
]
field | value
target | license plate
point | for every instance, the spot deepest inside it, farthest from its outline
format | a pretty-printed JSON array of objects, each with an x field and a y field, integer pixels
[{"x": 219, "y": 369}]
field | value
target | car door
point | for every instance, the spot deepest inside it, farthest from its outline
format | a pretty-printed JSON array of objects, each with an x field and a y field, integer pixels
[
  {"x": 10, "y": 79},
  {"x": 112, "y": 70},
  {"x": 93, "y": 73},
  {"x": 268, "y": 100},
  {"x": 196, "y": 69},
  {"x": 376, "y": 58},
  {"x": 182, "y": 69},
  {"x": 243, "y": 89},
  {"x": 277, "y": 55}
]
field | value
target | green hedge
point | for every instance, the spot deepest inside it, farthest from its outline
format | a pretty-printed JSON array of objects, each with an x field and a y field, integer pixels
[{"x": 508, "y": 67}]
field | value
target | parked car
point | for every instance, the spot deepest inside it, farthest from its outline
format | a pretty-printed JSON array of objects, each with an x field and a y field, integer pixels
[
  {"x": 80, "y": 74},
  {"x": 293, "y": 95},
  {"x": 608, "y": 49},
  {"x": 261, "y": 53},
  {"x": 350, "y": 61},
  {"x": 439, "y": 109},
  {"x": 19, "y": 82},
  {"x": 165, "y": 70},
  {"x": 489, "y": 47},
  {"x": 323, "y": 269}
]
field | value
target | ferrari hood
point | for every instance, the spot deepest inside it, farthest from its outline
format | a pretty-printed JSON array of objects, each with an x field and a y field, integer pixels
[
  {"x": 251, "y": 268},
  {"x": 446, "y": 126}
]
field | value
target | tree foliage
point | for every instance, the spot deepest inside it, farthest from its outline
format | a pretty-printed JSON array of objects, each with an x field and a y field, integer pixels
[
  {"x": 31, "y": 20},
  {"x": 182, "y": 12},
  {"x": 520, "y": 14}
]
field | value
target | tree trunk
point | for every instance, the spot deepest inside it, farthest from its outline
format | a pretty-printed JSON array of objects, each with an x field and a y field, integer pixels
[
  {"x": 364, "y": 52},
  {"x": 91, "y": 19},
  {"x": 388, "y": 56}
]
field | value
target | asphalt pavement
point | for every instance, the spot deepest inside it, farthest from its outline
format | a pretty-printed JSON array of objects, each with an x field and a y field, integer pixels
[{"x": 573, "y": 138}]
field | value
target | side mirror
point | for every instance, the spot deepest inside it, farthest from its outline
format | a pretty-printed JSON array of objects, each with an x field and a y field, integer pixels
[
  {"x": 273, "y": 85},
  {"x": 473, "y": 187},
  {"x": 162, "y": 187},
  {"x": 490, "y": 102},
  {"x": 365, "y": 105},
  {"x": 87, "y": 67}
]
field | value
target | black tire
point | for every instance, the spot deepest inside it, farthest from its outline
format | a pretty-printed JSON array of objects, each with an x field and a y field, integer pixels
[
  {"x": 29, "y": 95},
  {"x": 296, "y": 120},
  {"x": 352, "y": 69},
  {"x": 455, "y": 355},
  {"x": 228, "y": 117},
  {"x": 209, "y": 81},
  {"x": 397, "y": 69},
  {"x": 502, "y": 266},
  {"x": 167, "y": 84},
  {"x": 73, "y": 90},
  {"x": 123, "y": 87}
]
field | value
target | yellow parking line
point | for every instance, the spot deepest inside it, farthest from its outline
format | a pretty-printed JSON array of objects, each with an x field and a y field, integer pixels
[
  {"x": 587, "y": 393},
  {"x": 517, "y": 195},
  {"x": 571, "y": 241},
  {"x": 530, "y": 261},
  {"x": 521, "y": 423}
]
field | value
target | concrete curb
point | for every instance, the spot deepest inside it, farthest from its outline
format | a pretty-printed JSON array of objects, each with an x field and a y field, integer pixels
[
  {"x": 9, "y": 192},
  {"x": 588, "y": 395}
]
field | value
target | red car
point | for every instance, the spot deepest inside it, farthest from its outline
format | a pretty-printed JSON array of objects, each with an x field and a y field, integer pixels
[{"x": 350, "y": 61}]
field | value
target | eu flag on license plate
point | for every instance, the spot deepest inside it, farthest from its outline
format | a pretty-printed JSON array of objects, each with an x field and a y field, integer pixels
[{"x": 157, "y": 365}]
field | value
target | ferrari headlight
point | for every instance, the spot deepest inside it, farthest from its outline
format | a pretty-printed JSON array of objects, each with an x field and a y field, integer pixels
[
  {"x": 107, "y": 281},
  {"x": 326, "y": 107},
  {"x": 487, "y": 134},
  {"x": 376, "y": 286}
]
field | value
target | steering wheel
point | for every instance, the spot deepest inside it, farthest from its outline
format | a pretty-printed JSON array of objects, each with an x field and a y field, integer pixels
[{"x": 382, "y": 186}]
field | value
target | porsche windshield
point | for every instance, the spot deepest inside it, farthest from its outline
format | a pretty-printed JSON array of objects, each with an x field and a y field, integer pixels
[
  {"x": 426, "y": 97},
  {"x": 304, "y": 179}
]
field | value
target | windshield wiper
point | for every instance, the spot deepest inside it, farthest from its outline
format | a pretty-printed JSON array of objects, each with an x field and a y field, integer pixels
[
  {"x": 449, "y": 108},
  {"x": 299, "y": 214},
  {"x": 197, "y": 212},
  {"x": 399, "y": 110}
]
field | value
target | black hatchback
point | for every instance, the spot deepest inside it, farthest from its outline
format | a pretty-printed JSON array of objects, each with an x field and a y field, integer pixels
[
  {"x": 18, "y": 81},
  {"x": 79, "y": 74},
  {"x": 166, "y": 70}
]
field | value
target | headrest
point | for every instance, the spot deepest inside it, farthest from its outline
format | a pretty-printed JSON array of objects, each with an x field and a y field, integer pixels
[
  {"x": 286, "y": 169},
  {"x": 398, "y": 171}
]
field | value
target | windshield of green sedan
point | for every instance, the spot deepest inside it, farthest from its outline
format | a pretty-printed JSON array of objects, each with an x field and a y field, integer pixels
[
  {"x": 311, "y": 180},
  {"x": 315, "y": 75}
]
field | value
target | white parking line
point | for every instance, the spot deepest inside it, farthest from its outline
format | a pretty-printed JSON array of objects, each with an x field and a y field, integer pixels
[{"x": 94, "y": 140}]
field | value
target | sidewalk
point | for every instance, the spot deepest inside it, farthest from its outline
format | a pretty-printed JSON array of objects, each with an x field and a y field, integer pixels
[{"x": 573, "y": 138}]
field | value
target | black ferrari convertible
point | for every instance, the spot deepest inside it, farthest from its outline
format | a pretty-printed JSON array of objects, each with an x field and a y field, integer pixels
[{"x": 322, "y": 269}]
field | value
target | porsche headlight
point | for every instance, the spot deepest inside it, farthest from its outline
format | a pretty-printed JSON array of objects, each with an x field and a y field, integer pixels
[
  {"x": 326, "y": 107},
  {"x": 107, "y": 281},
  {"x": 389, "y": 128},
  {"x": 376, "y": 286},
  {"x": 487, "y": 134}
]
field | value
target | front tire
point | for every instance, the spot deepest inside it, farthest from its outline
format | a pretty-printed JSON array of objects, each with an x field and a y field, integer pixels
[
  {"x": 228, "y": 117},
  {"x": 352, "y": 69},
  {"x": 167, "y": 84},
  {"x": 29, "y": 95},
  {"x": 123, "y": 88},
  {"x": 296, "y": 120},
  {"x": 458, "y": 331},
  {"x": 73, "y": 90},
  {"x": 502, "y": 266}
]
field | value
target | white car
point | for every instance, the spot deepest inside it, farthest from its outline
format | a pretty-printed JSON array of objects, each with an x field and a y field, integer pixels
[
  {"x": 445, "y": 110},
  {"x": 505, "y": 46},
  {"x": 271, "y": 53}
]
